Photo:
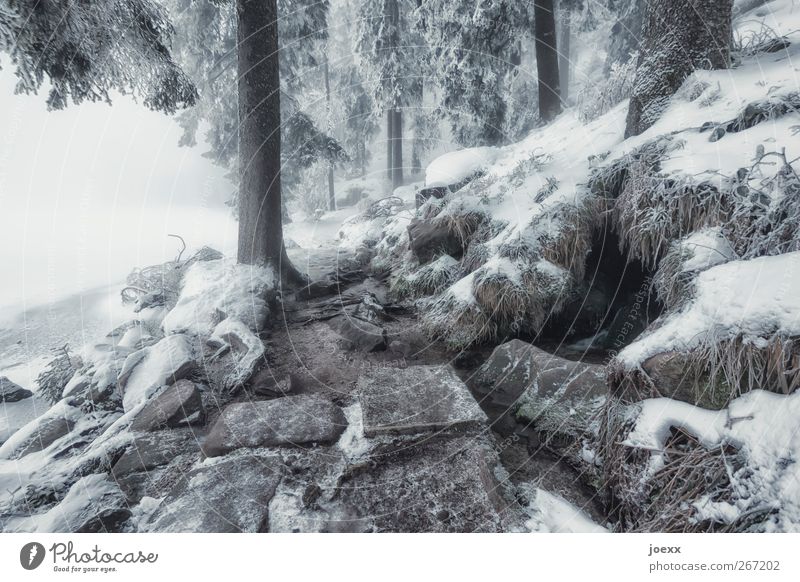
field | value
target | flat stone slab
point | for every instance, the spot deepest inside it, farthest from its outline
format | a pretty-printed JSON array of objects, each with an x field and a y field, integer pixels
[
  {"x": 437, "y": 485},
  {"x": 232, "y": 495},
  {"x": 416, "y": 399},
  {"x": 180, "y": 404},
  {"x": 291, "y": 420}
]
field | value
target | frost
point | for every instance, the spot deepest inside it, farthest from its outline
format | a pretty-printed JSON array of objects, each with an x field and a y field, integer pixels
[
  {"x": 751, "y": 299},
  {"x": 214, "y": 290}
]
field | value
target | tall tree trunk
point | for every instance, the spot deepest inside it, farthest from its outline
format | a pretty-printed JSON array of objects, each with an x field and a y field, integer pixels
[
  {"x": 679, "y": 37},
  {"x": 563, "y": 53},
  {"x": 397, "y": 149},
  {"x": 260, "y": 225},
  {"x": 546, "y": 59},
  {"x": 389, "y": 143},
  {"x": 331, "y": 192},
  {"x": 362, "y": 146}
]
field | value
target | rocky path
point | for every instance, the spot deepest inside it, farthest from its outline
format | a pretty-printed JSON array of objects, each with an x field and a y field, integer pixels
[{"x": 341, "y": 416}]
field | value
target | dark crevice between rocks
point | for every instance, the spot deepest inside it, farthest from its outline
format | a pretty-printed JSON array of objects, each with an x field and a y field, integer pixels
[{"x": 614, "y": 305}]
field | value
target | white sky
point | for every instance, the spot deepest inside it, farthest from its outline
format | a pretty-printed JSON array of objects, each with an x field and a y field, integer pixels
[{"x": 90, "y": 192}]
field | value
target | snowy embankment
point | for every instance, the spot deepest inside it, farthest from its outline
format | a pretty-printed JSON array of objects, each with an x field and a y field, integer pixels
[{"x": 705, "y": 204}]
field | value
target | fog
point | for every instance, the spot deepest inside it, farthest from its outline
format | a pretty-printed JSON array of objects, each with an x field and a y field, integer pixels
[{"x": 90, "y": 192}]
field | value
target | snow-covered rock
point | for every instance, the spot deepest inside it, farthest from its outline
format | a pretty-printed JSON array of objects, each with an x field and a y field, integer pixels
[
  {"x": 454, "y": 167},
  {"x": 754, "y": 300},
  {"x": 763, "y": 426},
  {"x": 11, "y": 392},
  {"x": 94, "y": 504},
  {"x": 214, "y": 290},
  {"x": 147, "y": 370},
  {"x": 180, "y": 404}
]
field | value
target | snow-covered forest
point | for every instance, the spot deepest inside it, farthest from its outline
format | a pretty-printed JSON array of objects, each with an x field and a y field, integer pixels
[{"x": 400, "y": 266}]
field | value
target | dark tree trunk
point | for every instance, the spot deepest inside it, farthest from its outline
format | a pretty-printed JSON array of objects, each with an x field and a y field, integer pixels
[
  {"x": 331, "y": 192},
  {"x": 678, "y": 37},
  {"x": 563, "y": 53},
  {"x": 397, "y": 149},
  {"x": 546, "y": 59},
  {"x": 260, "y": 225}
]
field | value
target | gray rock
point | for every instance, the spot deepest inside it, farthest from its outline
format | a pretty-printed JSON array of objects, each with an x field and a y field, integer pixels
[
  {"x": 428, "y": 241},
  {"x": 359, "y": 334},
  {"x": 416, "y": 399},
  {"x": 265, "y": 383},
  {"x": 438, "y": 486},
  {"x": 47, "y": 431},
  {"x": 11, "y": 392},
  {"x": 161, "y": 364},
  {"x": 675, "y": 377},
  {"x": 554, "y": 395},
  {"x": 179, "y": 405},
  {"x": 230, "y": 496},
  {"x": 94, "y": 504},
  {"x": 291, "y": 420},
  {"x": 155, "y": 450}
]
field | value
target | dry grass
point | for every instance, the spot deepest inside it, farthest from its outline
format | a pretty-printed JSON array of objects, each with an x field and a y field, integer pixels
[{"x": 643, "y": 500}]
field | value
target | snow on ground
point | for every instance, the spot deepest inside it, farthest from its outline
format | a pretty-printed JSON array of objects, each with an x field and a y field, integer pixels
[
  {"x": 754, "y": 299},
  {"x": 763, "y": 426},
  {"x": 454, "y": 167},
  {"x": 551, "y": 513}
]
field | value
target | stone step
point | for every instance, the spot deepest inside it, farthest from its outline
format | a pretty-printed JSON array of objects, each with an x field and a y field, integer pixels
[{"x": 416, "y": 399}]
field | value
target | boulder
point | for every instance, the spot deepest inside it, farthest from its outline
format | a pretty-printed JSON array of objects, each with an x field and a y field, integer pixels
[
  {"x": 553, "y": 394},
  {"x": 150, "y": 451},
  {"x": 179, "y": 405},
  {"x": 448, "y": 485},
  {"x": 246, "y": 347},
  {"x": 265, "y": 383},
  {"x": 428, "y": 241},
  {"x": 37, "y": 436},
  {"x": 94, "y": 504},
  {"x": 229, "y": 496},
  {"x": 673, "y": 375},
  {"x": 291, "y": 420},
  {"x": 11, "y": 392},
  {"x": 359, "y": 334},
  {"x": 416, "y": 399},
  {"x": 161, "y": 364}
]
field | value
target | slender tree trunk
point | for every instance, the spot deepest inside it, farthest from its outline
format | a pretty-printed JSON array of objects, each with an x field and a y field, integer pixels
[
  {"x": 546, "y": 59},
  {"x": 678, "y": 37},
  {"x": 389, "y": 143},
  {"x": 363, "y": 154},
  {"x": 260, "y": 225},
  {"x": 331, "y": 192},
  {"x": 397, "y": 149},
  {"x": 563, "y": 53}
]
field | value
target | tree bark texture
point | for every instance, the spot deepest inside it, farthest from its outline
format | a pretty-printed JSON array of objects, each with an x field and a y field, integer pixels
[{"x": 546, "y": 59}]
